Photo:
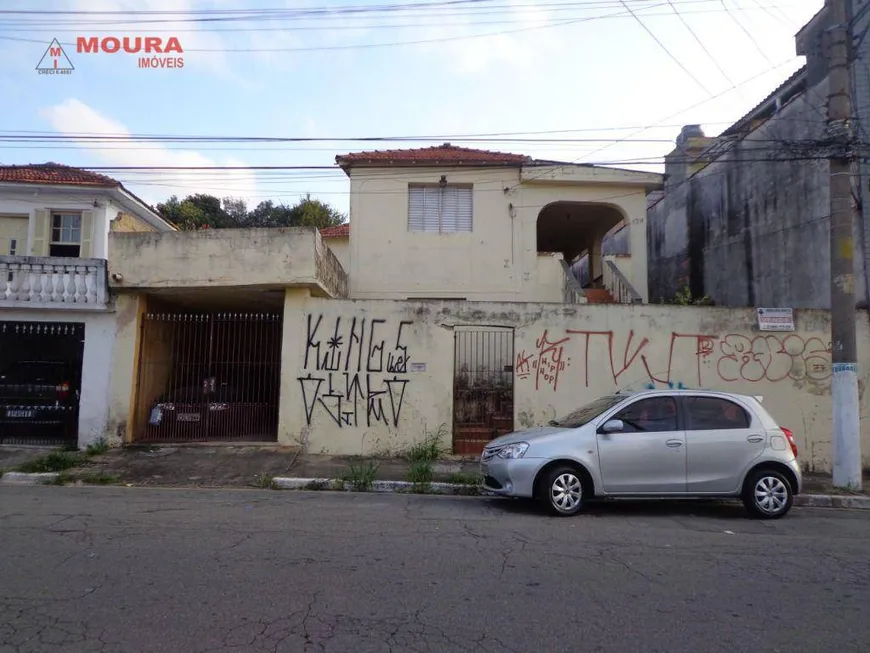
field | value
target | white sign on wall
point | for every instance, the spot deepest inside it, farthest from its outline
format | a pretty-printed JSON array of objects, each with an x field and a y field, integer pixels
[{"x": 775, "y": 319}]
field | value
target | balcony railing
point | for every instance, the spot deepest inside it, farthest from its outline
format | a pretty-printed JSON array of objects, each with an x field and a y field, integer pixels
[
  {"x": 53, "y": 282},
  {"x": 618, "y": 286},
  {"x": 572, "y": 291}
]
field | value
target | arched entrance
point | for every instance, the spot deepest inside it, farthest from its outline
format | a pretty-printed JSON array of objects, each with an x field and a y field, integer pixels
[{"x": 577, "y": 230}]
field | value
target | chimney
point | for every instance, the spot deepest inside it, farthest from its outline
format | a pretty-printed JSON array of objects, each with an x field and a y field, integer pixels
[{"x": 684, "y": 160}]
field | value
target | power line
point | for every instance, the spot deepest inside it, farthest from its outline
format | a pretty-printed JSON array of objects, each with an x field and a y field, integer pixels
[
  {"x": 700, "y": 43},
  {"x": 663, "y": 47},
  {"x": 746, "y": 31}
]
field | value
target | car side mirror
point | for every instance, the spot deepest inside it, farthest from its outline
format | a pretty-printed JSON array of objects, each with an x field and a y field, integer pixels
[{"x": 612, "y": 426}]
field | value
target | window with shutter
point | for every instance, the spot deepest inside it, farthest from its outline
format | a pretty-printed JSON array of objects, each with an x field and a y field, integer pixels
[{"x": 434, "y": 209}]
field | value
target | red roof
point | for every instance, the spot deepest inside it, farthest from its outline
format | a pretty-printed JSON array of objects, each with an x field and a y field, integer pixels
[
  {"x": 445, "y": 154},
  {"x": 54, "y": 173},
  {"x": 336, "y": 232}
]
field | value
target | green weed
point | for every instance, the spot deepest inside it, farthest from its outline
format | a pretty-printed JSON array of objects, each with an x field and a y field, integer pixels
[
  {"x": 265, "y": 481},
  {"x": 361, "y": 475},
  {"x": 56, "y": 461},
  {"x": 97, "y": 448},
  {"x": 460, "y": 478}
]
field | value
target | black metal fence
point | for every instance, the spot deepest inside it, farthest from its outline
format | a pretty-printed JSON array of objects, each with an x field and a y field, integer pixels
[{"x": 40, "y": 382}]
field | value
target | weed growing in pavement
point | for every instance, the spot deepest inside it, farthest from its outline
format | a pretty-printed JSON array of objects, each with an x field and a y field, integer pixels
[
  {"x": 460, "y": 478},
  {"x": 98, "y": 478},
  {"x": 97, "y": 448},
  {"x": 361, "y": 475},
  {"x": 56, "y": 461},
  {"x": 429, "y": 449},
  {"x": 421, "y": 456},
  {"x": 420, "y": 474},
  {"x": 266, "y": 481}
]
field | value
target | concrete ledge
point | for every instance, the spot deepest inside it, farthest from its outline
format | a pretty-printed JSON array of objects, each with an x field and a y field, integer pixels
[
  {"x": 832, "y": 501},
  {"x": 20, "y": 478},
  {"x": 335, "y": 484}
]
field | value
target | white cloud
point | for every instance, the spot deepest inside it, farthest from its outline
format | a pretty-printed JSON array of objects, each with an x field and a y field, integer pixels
[{"x": 75, "y": 117}]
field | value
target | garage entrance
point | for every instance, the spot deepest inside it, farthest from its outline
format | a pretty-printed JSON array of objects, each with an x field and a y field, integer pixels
[
  {"x": 208, "y": 376},
  {"x": 40, "y": 382}
]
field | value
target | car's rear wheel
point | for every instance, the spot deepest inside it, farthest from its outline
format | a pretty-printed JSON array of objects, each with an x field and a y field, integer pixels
[
  {"x": 562, "y": 491},
  {"x": 767, "y": 494}
]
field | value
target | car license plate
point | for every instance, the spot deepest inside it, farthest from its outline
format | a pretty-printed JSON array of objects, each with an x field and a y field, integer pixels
[
  {"x": 17, "y": 412},
  {"x": 188, "y": 417}
]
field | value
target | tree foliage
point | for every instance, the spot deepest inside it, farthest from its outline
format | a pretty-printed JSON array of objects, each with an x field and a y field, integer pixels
[{"x": 201, "y": 211}]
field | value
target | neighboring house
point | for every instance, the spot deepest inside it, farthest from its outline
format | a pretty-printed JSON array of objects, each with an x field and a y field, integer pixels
[
  {"x": 338, "y": 240},
  {"x": 56, "y": 316},
  {"x": 744, "y": 216},
  {"x": 457, "y": 223}
]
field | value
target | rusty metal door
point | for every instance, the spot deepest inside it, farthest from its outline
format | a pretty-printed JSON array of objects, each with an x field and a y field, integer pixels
[
  {"x": 483, "y": 387},
  {"x": 208, "y": 376}
]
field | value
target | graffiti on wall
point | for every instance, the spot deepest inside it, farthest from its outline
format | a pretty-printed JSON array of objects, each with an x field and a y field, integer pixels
[
  {"x": 729, "y": 358},
  {"x": 355, "y": 370}
]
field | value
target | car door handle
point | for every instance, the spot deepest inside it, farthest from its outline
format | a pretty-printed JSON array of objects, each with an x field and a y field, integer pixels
[
  {"x": 755, "y": 438},
  {"x": 674, "y": 443}
]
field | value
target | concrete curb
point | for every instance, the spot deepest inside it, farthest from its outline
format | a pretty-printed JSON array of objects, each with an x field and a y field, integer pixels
[
  {"x": 335, "y": 484},
  {"x": 832, "y": 501},
  {"x": 20, "y": 478}
]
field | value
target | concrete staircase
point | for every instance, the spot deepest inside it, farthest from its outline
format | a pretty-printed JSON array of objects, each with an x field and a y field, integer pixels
[{"x": 598, "y": 296}]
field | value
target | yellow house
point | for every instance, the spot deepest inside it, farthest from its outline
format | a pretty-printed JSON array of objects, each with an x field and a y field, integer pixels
[
  {"x": 446, "y": 306},
  {"x": 448, "y": 222}
]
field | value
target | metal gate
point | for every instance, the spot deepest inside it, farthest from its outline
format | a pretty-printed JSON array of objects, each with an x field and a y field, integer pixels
[
  {"x": 40, "y": 382},
  {"x": 483, "y": 387},
  {"x": 208, "y": 376}
]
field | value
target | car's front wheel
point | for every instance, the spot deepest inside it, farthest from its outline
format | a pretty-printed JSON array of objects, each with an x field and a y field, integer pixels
[
  {"x": 768, "y": 494},
  {"x": 562, "y": 491}
]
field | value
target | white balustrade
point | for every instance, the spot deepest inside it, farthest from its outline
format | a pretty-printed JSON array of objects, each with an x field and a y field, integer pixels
[{"x": 52, "y": 282}]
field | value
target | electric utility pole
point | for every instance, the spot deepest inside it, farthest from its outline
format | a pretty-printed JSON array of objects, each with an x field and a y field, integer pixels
[{"x": 844, "y": 386}]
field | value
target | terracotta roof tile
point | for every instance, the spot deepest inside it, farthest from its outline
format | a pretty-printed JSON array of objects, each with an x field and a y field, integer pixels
[
  {"x": 336, "y": 232},
  {"x": 445, "y": 154},
  {"x": 54, "y": 173}
]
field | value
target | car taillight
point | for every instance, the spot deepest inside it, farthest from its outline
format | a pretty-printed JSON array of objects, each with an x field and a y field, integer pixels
[
  {"x": 790, "y": 437},
  {"x": 62, "y": 390}
]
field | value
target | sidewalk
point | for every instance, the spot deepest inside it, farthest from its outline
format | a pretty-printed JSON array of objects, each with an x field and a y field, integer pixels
[
  {"x": 210, "y": 465},
  {"x": 281, "y": 467}
]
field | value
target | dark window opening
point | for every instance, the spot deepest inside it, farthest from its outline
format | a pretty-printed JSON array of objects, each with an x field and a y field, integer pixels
[
  {"x": 711, "y": 413},
  {"x": 655, "y": 415}
]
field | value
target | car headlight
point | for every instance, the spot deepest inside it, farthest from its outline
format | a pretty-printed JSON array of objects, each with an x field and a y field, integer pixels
[{"x": 516, "y": 450}]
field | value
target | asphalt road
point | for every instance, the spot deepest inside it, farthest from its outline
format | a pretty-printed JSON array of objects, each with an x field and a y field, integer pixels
[{"x": 130, "y": 570}]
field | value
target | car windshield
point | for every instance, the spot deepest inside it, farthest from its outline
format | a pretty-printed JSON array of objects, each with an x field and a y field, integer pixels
[{"x": 587, "y": 413}]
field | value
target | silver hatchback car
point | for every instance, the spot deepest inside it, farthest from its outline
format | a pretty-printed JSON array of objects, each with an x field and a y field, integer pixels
[{"x": 654, "y": 443}]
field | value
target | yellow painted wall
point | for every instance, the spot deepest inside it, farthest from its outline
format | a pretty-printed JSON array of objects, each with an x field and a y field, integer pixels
[
  {"x": 564, "y": 357},
  {"x": 498, "y": 261},
  {"x": 13, "y": 227},
  {"x": 341, "y": 248},
  {"x": 129, "y": 223},
  {"x": 125, "y": 364},
  {"x": 213, "y": 258}
]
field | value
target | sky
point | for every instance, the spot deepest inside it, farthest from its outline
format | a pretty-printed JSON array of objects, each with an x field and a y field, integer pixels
[{"x": 554, "y": 74}]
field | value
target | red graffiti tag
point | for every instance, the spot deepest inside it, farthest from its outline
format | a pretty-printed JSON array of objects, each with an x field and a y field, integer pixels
[{"x": 547, "y": 362}]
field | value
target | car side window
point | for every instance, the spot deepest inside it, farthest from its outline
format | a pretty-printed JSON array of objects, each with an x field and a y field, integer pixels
[
  {"x": 713, "y": 414},
  {"x": 654, "y": 415}
]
